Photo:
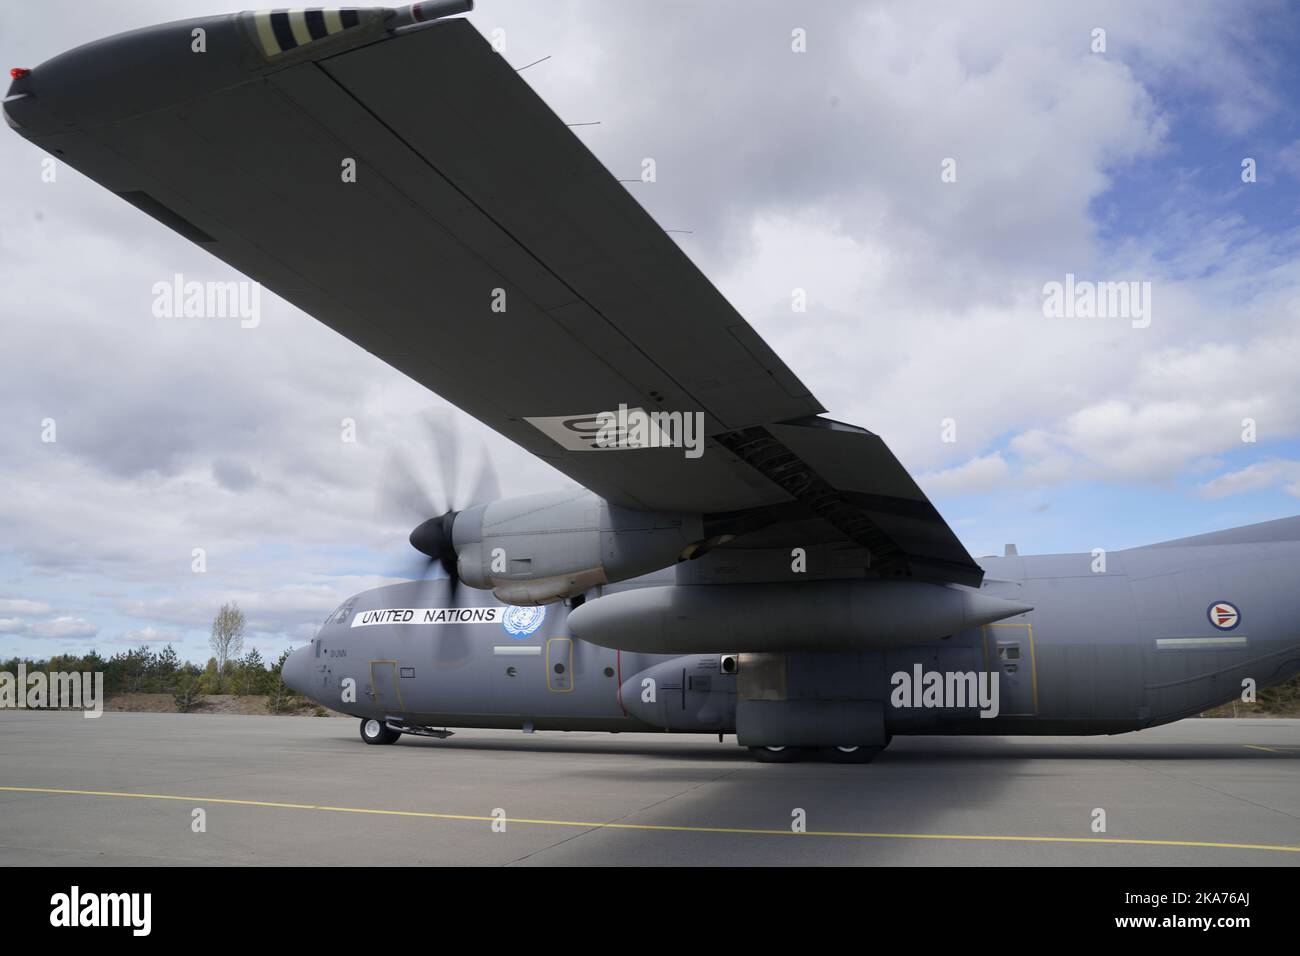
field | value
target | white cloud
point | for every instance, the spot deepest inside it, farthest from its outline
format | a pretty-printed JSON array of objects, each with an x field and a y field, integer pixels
[
  {"x": 22, "y": 606},
  {"x": 64, "y": 626},
  {"x": 977, "y": 475},
  {"x": 147, "y": 635},
  {"x": 1265, "y": 474}
]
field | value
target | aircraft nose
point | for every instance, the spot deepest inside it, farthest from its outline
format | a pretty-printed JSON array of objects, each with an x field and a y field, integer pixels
[{"x": 294, "y": 672}]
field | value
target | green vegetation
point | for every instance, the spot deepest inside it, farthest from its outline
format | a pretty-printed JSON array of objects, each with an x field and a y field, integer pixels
[
  {"x": 280, "y": 698},
  {"x": 188, "y": 693},
  {"x": 144, "y": 671},
  {"x": 1280, "y": 701}
]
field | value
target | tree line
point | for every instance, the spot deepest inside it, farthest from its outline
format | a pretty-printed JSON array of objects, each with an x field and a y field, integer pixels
[{"x": 142, "y": 670}]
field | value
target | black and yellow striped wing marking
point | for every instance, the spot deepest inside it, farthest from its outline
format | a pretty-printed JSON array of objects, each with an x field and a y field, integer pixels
[{"x": 279, "y": 31}]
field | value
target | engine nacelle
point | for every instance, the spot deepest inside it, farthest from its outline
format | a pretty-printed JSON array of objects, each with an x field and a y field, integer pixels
[
  {"x": 541, "y": 548},
  {"x": 785, "y": 616}
]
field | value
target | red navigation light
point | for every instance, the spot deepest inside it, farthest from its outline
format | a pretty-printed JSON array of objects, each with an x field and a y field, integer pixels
[{"x": 19, "y": 72}]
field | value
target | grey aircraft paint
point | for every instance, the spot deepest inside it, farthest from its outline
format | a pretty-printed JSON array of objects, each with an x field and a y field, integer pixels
[{"x": 1100, "y": 652}]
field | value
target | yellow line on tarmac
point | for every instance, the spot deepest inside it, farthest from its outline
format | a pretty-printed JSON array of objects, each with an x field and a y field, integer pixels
[{"x": 862, "y": 835}]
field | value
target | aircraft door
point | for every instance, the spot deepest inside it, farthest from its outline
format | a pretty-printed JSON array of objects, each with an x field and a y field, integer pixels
[
  {"x": 1011, "y": 657},
  {"x": 383, "y": 685}
]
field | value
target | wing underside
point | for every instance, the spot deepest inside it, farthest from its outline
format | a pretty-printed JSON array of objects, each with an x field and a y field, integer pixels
[{"x": 469, "y": 195}]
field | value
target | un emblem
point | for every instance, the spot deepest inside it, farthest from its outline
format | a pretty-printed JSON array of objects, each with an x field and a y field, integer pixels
[{"x": 522, "y": 621}]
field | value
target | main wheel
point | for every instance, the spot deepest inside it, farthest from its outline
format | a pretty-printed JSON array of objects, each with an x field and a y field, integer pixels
[
  {"x": 377, "y": 732},
  {"x": 776, "y": 754},
  {"x": 851, "y": 754}
]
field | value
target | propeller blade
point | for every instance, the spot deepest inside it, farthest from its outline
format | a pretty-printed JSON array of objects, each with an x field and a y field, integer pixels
[
  {"x": 403, "y": 497},
  {"x": 446, "y": 452},
  {"x": 433, "y": 511},
  {"x": 486, "y": 487},
  {"x": 414, "y": 567},
  {"x": 427, "y": 593}
]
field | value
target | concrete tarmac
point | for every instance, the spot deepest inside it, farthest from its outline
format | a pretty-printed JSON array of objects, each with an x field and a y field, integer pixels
[{"x": 122, "y": 789}]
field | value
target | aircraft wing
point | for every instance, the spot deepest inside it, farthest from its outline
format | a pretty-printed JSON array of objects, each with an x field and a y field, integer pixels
[{"x": 479, "y": 247}]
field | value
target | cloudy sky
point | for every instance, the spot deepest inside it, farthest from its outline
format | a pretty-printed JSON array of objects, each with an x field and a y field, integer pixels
[{"x": 819, "y": 170}]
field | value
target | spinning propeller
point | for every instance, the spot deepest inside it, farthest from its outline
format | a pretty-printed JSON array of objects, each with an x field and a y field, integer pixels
[{"x": 407, "y": 495}]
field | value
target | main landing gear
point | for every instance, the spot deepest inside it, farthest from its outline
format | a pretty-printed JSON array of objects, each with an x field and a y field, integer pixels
[
  {"x": 851, "y": 754},
  {"x": 377, "y": 732},
  {"x": 776, "y": 754},
  {"x": 833, "y": 754}
]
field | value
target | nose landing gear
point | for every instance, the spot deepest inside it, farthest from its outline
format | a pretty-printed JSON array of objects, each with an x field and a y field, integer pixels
[{"x": 377, "y": 732}]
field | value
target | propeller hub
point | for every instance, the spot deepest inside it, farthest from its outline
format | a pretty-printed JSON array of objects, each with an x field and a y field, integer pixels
[{"x": 433, "y": 538}]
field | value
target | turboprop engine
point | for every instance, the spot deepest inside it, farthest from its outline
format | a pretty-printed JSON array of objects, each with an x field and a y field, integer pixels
[
  {"x": 541, "y": 548},
  {"x": 817, "y": 615}
]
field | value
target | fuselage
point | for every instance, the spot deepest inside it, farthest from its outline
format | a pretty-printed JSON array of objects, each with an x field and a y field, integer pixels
[{"x": 1114, "y": 643}]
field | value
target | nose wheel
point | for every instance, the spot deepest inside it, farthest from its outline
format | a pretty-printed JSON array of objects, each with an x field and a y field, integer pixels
[{"x": 377, "y": 732}]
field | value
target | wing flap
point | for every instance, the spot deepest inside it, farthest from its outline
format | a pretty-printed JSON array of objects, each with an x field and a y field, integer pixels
[{"x": 847, "y": 478}]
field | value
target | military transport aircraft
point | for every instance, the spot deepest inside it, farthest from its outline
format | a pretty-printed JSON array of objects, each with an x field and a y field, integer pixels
[{"x": 734, "y": 563}]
